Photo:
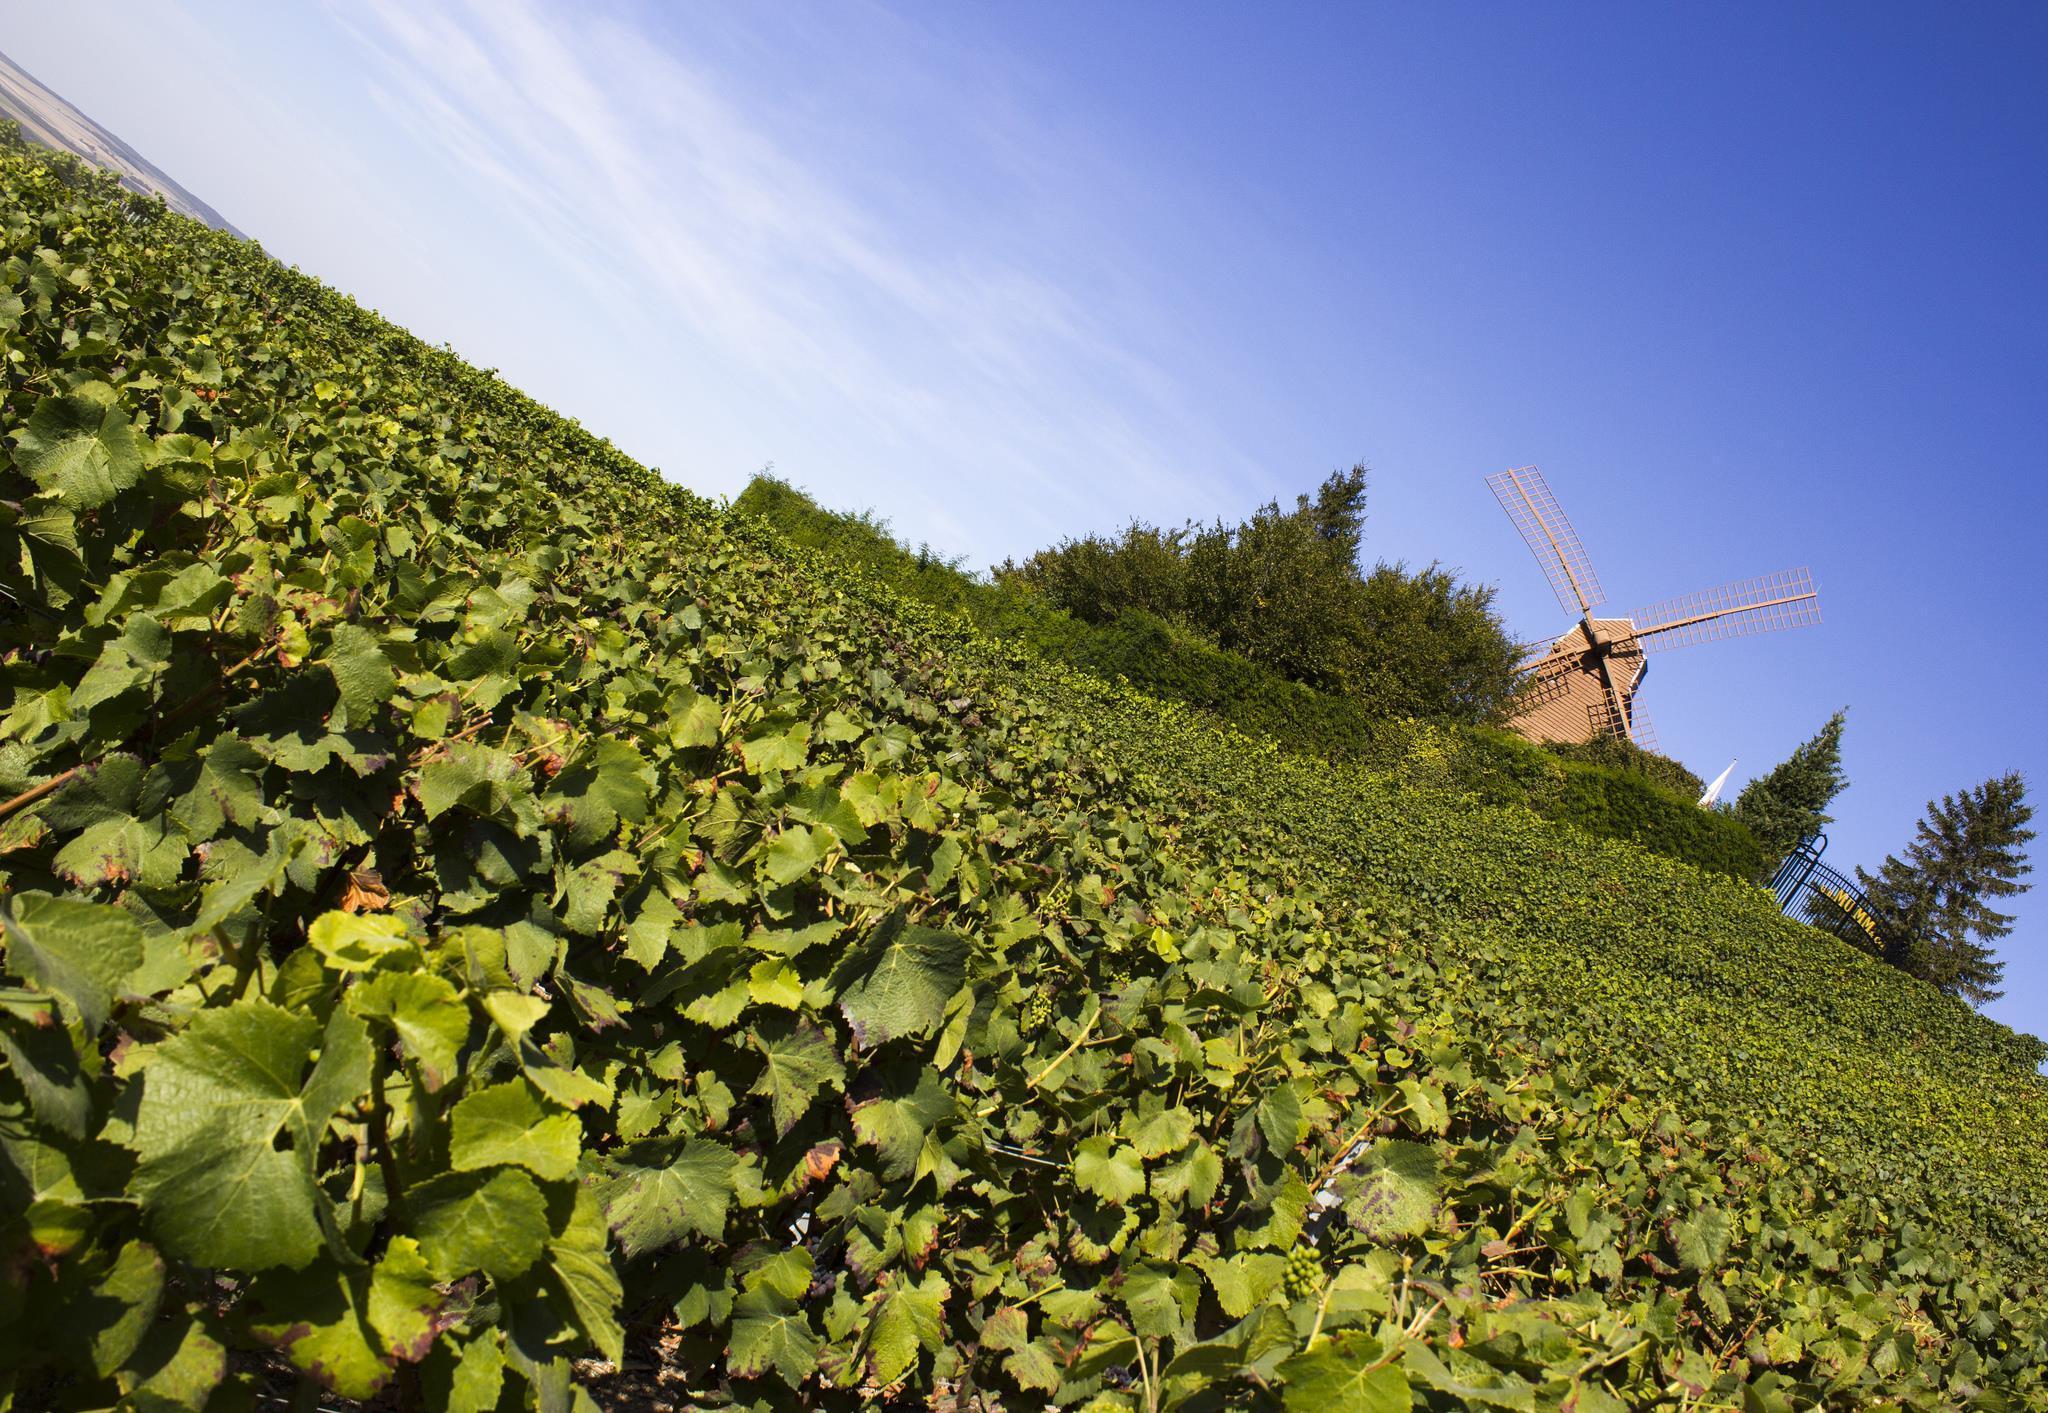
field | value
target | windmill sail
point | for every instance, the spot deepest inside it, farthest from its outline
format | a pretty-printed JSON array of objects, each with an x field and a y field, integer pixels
[
  {"x": 1582, "y": 685},
  {"x": 1763, "y": 605},
  {"x": 1526, "y": 497}
]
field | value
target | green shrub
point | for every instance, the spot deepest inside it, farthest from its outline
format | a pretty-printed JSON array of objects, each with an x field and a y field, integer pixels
[
  {"x": 1609, "y": 801},
  {"x": 1623, "y": 754}
]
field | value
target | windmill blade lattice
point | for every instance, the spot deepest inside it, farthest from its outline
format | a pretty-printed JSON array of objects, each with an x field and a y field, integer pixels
[
  {"x": 1547, "y": 684},
  {"x": 1641, "y": 731},
  {"x": 1605, "y": 718},
  {"x": 1761, "y": 605},
  {"x": 1526, "y": 497}
]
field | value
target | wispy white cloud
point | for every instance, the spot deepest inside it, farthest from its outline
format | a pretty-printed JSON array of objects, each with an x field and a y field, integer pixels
[{"x": 859, "y": 298}]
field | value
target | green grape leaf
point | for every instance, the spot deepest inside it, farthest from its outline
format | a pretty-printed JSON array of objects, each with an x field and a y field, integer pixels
[
  {"x": 494, "y": 1222},
  {"x": 1468, "y": 1381},
  {"x": 362, "y": 673},
  {"x": 777, "y": 747},
  {"x": 1244, "y": 1280},
  {"x": 796, "y": 851},
  {"x": 478, "y": 1377},
  {"x": 647, "y": 935},
  {"x": 797, "y": 1061},
  {"x": 1357, "y": 1291},
  {"x": 80, "y": 451},
  {"x": 514, "y": 1012},
  {"x": 1033, "y": 1366},
  {"x": 117, "y": 851},
  {"x": 357, "y": 942},
  {"x": 1192, "y": 1178},
  {"x": 228, "y": 790},
  {"x": 40, "y": 1054},
  {"x": 769, "y": 1333},
  {"x": 1110, "y": 1170},
  {"x": 570, "y": 1088},
  {"x": 81, "y": 952},
  {"x": 123, "y": 1306},
  {"x": 945, "y": 859},
  {"x": 176, "y": 1367},
  {"x": 225, "y": 899},
  {"x": 133, "y": 660},
  {"x": 112, "y": 845},
  {"x": 217, "y": 1101},
  {"x": 1160, "y": 1301},
  {"x": 902, "y": 1119},
  {"x": 660, "y": 1191},
  {"x": 694, "y": 720},
  {"x": 350, "y": 1327},
  {"x": 607, "y": 782},
  {"x": 899, "y": 981},
  {"x": 486, "y": 782},
  {"x": 906, "y": 1317},
  {"x": 1162, "y": 1132},
  {"x": 773, "y": 982},
  {"x": 1702, "y": 1238},
  {"x": 1391, "y": 1191},
  {"x": 426, "y": 1014},
  {"x": 1345, "y": 1372},
  {"x": 1426, "y": 1107},
  {"x": 1280, "y": 1118},
  {"x": 582, "y": 1262},
  {"x": 511, "y": 1123}
]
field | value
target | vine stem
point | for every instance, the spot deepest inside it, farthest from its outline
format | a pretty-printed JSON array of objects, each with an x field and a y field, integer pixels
[
  {"x": 57, "y": 782},
  {"x": 1063, "y": 1055},
  {"x": 380, "y": 1133},
  {"x": 1322, "y": 1309},
  {"x": 34, "y": 793},
  {"x": 1324, "y": 1174}
]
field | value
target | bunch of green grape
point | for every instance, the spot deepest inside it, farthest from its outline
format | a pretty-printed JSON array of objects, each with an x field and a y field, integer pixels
[
  {"x": 1304, "y": 1272},
  {"x": 1036, "y": 1015}
]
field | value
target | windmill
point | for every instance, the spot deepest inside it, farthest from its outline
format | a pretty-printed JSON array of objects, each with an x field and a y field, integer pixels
[{"x": 1582, "y": 684}]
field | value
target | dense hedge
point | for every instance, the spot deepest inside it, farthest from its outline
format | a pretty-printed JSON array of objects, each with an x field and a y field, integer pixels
[
  {"x": 1613, "y": 802},
  {"x": 1638, "y": 797},
  {"x": 1626, "y": 755}
]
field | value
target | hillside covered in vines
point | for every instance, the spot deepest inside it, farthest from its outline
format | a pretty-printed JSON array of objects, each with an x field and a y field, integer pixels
[
  {"x": 483, "y": 924},
  {"x": 1614, "y": 790}
]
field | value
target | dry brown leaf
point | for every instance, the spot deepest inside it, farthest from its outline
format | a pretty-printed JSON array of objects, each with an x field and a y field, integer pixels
[{"x": 365, "y": 892}]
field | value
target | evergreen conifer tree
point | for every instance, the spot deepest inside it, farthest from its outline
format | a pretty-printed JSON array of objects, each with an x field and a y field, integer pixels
[
  {"x": 1791, "y": 801},
  {"x": 1937, "y": 900}
]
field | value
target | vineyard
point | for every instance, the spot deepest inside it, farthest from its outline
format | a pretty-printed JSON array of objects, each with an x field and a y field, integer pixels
[
  {"x": 1166, "y": 662},
  {"x": 485, "y": 928}
]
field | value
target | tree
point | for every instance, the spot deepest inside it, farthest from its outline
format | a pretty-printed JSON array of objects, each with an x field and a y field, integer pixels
[
  {"x": 1434, "y": 647},
  {"x": 1286, "y": 589},
  {"x": 1936, "y": 902},
  {"x": 1791, "y": 801}
]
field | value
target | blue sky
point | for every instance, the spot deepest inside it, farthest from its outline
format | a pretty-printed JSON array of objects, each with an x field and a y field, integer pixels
[{"x": 1755, "y": 286}]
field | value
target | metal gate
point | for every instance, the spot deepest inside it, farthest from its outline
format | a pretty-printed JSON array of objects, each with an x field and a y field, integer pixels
[{"x": 1819, "y": 896}]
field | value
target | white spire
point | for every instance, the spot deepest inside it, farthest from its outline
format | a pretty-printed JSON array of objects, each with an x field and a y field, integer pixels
[{"x": 1714, "y": 790}]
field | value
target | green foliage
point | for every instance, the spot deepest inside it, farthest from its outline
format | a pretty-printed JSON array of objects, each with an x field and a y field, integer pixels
[
  {"x": 1935, "y": 904},
  {"x": 1618, "y": 792},
  {"x": 472, "y": 910},
  {"x": 1285, "y": 591},
  {"x": 1791, "y": 801},
  {"x": 1620, "y": 753},
  {"x": 1612, "y": 802}
]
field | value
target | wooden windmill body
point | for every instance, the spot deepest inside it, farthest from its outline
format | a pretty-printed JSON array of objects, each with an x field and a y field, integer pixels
[{"x": 1582, "y": 684}]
